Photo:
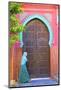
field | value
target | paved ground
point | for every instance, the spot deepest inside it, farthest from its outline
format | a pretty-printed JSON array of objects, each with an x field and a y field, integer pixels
[{"x": 42, "y": 81}]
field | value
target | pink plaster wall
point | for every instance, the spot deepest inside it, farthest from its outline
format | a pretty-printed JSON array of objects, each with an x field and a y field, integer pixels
[
  {"x": 54, "y": 48},
  {"x": 50, "y": 13}
]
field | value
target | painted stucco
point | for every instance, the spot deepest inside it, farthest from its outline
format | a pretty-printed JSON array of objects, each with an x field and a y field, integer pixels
[{"x": 50, "y": 13}]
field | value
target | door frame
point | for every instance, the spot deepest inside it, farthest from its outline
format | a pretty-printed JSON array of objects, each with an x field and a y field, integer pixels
[{"x": 45, "y": 21}]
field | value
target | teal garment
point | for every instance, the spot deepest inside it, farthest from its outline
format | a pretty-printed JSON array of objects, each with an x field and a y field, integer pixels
[{"x": 23, "y": 74}]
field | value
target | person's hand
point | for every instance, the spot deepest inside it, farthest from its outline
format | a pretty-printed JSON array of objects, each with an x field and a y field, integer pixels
[{"x": 21, "y": 44}]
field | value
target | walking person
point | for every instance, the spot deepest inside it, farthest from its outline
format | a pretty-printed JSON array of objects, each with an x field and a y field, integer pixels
[{"x": 23, "y": 74}]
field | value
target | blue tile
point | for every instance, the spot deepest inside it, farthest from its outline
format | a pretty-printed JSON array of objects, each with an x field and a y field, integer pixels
[{"x": 38, "y": 82}]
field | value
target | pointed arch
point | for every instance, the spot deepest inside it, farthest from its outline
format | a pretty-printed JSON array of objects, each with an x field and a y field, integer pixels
[{"x": 43, "y": 19}]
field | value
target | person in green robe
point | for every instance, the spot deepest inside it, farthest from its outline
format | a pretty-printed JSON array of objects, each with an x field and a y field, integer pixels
[{"x": 23, "y": 74}]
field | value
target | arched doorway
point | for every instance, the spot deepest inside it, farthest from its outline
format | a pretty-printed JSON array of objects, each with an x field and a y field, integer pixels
[{"x": 36, "y": 43}]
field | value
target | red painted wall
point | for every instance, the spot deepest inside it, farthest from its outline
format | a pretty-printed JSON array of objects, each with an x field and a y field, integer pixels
[
  {"x": 15, "y": 60},
  {"x": 50, "y": 12},
  {"x": 54, "y": 48}
]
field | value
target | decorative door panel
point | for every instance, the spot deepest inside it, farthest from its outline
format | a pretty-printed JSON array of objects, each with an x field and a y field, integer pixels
[{"x": 36, "y": 39}]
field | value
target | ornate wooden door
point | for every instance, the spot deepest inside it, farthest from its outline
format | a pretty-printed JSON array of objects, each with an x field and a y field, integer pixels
[{"x": 36, "y": 38}]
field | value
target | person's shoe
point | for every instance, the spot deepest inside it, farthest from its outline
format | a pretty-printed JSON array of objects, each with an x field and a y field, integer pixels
[{"x": 12, "y": 83}]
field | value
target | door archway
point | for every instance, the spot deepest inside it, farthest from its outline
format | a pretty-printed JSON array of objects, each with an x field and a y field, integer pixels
[
  {"x": 42, "y": 18},
  {"x": 36, "y": 44}
]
